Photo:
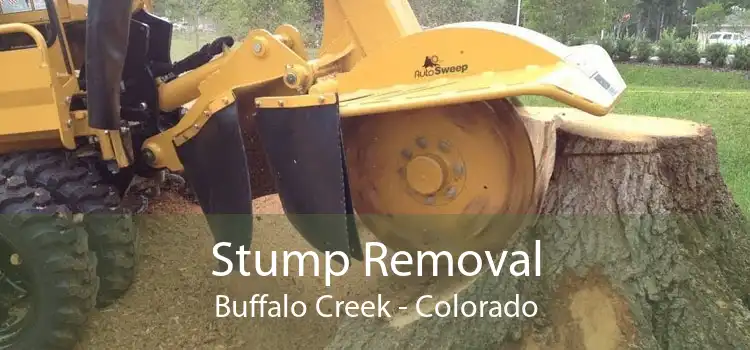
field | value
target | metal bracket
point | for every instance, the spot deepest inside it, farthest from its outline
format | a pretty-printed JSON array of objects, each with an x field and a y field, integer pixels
[{"x": 213, "y": 107}]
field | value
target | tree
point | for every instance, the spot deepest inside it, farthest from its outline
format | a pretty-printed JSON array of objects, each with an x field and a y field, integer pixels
[
  {"x": 237, "y": 17},
  {"x": 564, "y": 20},
  {"x": 711, "y": 15},
  {"x": 194, "y": 12}
]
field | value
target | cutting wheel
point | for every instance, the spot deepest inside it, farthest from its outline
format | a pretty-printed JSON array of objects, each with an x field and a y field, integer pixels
[{"x": 452, "y": 178}]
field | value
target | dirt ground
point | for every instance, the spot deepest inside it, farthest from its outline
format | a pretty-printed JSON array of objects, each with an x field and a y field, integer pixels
[{"x": 172, "y": 305}]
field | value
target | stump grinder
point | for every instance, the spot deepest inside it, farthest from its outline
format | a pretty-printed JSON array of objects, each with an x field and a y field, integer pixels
[{"x": 417, "y": 131}]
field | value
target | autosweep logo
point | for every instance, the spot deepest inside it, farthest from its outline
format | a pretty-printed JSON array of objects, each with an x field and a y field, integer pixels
[{"x": 432, "y": 67}]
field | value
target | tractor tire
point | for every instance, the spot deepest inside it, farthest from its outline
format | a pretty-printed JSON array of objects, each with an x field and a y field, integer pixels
[
  {"x": 44, "y": 257},
  {"x": 76, "y": 183}
]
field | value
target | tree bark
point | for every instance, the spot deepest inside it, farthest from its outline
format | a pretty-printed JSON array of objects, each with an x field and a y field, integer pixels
[{"x": 642, "y": 246}]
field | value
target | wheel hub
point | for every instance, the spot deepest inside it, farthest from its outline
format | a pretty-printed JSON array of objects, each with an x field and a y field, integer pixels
[
  {"x": 438, "y": 178},
  {"x": 425, "y": 175}
]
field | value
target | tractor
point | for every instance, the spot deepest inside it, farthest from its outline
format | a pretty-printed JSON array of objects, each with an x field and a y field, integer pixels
[{"x": 416, "y": 132}]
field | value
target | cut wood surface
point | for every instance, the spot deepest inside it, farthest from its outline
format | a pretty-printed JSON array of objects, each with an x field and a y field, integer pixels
[{"x": 642, "y": 246}]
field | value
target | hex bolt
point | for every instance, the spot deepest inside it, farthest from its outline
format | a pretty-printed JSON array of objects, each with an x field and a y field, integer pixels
[
  {"x": 322, "y": 99},
  {"x": 291, "y": 78},
  {"x": 69, "y": 123},
  {"x": 444, "y": 146},
  {"x": 257, "y": 48},
  {"x": 406, "y": 153},
  {"x": 430, "y": 200},
  {"x": 15, "y": 259},
  {"x": 149, "y": 156},
  {"x": 422, "y": 142},
  {"x": 196, "y": 126},
  {"x": 281, "y": 103},
  {"x": 450, "y": 192},
  {"x": 458, "y": 169}
]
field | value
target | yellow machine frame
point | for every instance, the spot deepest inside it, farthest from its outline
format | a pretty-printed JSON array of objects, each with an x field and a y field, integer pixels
[
  {"x": 40, "y": 83},
  {"x": 353, "y": 53}
]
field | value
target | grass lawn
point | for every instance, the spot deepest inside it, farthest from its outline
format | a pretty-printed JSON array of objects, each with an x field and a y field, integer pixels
[{"x": 719, "y": 99}]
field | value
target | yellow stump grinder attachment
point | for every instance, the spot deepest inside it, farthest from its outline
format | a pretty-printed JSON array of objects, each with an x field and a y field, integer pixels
[{"x": 417, "y": 131}]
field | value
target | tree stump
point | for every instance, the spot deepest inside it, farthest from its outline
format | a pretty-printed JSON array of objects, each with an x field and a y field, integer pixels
[{"x": 642, "y": 246}]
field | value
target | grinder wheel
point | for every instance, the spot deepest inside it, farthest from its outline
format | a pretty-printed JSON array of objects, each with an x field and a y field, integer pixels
[{"x": 454, "y": 178}]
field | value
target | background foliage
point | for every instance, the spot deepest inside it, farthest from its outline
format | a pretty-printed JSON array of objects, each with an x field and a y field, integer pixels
[{"x": 627, "y": 29}]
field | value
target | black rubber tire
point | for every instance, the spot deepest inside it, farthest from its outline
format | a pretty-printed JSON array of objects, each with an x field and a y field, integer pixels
[
  {"x": 54, "y": 252},
  {"x": 76, "y": 183}
]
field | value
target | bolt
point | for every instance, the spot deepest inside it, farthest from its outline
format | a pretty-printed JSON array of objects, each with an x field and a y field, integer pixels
[
  {"x": 458, "y": 169},
  {"x": 281, "y": 103},
  {"x": 257, "y": 104},
  {"x": 257, "y": 47},
  {"x": 445, "y": 146},
  {"x": 226, "y": 101},
  {"x": 124, "y": 130},
  {"x": 69, "y": 123},
  {"x": 450, "y": 192},
  {"x": 422, "y": 142},
  {"x": 406, "y": 153},
  {"x": 322, "y": 99},
  {"x": 429, "y": 200},
  {"x": 149, "y": 156},
  {"x": 106, "y": 132},
  {"x": 291, "y": 78},
  {"x": 196, "y": 126},
  {"x": 15, "y": 259},
  {"x": 207, "y": 113}
]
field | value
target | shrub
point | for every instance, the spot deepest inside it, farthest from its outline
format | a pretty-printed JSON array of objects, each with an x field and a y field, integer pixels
[
  {"x": 643, "y": 50},
  {"x": 668, "y": 47},
  {"x": 717, "y": 54},
  {"x": 623, "y": 49},
  {"x": 667, "y": 50},
  {"x": 687, "y": 52},
  {"x": 741, "y": 58},
  {"x": 608, "y": 44},
  {"x": 575, "y": 41}
]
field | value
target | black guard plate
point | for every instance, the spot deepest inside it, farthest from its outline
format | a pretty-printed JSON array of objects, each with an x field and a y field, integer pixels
[
  {"x": 107, "y": 32},
  {"x": 305, "y": 153},
  {"x": 216, "y": 167}
]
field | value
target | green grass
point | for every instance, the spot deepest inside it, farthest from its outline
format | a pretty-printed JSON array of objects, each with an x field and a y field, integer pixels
[
  {"x": 719, "y": 99},
  {"x": 682, "y": 77}
]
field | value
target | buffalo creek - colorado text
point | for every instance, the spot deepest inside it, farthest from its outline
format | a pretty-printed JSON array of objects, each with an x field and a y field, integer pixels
[{"x": 326, "y": 306}]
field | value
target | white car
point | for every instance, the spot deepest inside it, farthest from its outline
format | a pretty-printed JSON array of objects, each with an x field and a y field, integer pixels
[{"x": 727, "y": 38}]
